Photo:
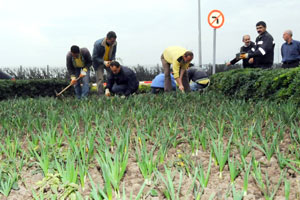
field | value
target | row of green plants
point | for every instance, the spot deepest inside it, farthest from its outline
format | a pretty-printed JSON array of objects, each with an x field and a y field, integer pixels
[
  {"x": 274, "y": 84},
  {"x": 177, "y": 150}
]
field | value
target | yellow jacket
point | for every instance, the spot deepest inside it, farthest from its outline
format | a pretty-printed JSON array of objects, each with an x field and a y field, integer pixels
[{"x": 171, "y": 55}]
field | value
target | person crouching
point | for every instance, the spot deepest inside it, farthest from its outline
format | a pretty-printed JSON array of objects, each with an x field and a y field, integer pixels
[{"x": 121, "y": 81}]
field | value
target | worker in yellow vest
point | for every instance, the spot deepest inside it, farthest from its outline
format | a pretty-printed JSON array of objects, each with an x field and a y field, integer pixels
[
  {"x": 79, "y": 61},
  {"x": 104, "y": 52},
  {"x": 180, "y": 59}
]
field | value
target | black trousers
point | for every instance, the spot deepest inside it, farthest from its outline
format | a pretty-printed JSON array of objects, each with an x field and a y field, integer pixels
[{"x": 290, "y": 64}]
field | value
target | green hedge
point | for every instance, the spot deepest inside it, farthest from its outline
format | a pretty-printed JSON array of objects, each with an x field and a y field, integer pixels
[
  {"x": 32, "y": 88},
  {"x": 35, "y": 88},
  {"x": 274, "y": 84}
]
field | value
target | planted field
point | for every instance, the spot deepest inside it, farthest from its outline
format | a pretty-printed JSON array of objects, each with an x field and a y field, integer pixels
[{"x": 175, "y": 146}]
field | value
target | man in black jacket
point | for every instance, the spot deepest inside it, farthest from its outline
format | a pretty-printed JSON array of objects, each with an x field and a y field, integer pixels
[
  {"x": 263, "y": 55},
  {"x": 121, "y": 81},
  {"x": 248, "y": 47}
]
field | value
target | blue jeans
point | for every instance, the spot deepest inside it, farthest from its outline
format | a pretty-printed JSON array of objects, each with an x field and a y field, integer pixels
[
  {"x": 195, "y": 86},
  {"x": 83, "y": 91}
]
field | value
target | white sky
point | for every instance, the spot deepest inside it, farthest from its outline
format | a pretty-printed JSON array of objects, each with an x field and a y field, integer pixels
[{"x": 39, "y": 32}]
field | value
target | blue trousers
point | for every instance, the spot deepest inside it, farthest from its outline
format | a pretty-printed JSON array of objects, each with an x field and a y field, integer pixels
[
  {"x": 83, "y": 91},
  {"x": 195, "y": 86}
]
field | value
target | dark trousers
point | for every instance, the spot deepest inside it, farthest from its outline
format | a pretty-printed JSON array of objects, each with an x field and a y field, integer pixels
[
  {"x": 121, "y": 89},
  {"x": 287, "y": 65}
]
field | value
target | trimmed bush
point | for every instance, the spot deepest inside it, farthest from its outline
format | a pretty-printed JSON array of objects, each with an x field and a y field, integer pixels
[
  {"x": 36, "y": 88},
  {"x": 273, "y": 84},
  {"x": 32, "y": 88}
]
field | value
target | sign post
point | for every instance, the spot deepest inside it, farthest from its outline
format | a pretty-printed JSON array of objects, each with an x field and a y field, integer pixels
[{"x": 216, "y": 20}]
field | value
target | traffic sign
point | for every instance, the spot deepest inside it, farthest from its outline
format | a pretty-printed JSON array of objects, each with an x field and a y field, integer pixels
[{"x": 216, "y": 19}]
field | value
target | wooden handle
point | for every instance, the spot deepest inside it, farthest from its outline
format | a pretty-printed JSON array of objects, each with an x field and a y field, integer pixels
[{"x": 66, "y": 88}]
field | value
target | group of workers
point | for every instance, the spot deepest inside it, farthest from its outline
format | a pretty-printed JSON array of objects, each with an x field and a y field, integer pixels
[
  {"x": 122, "y": 80},
  {"x": 261, "y": 53}
]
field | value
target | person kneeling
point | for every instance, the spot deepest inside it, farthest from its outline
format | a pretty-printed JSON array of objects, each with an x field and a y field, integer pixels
[
  {"x": 198, "y": 78},
  {"x": 121, "y": 81},
  {"x": 158, "y": 83}
]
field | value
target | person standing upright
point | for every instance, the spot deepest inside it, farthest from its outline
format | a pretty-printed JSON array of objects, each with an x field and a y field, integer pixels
[
  {"x": 104, "y": 52},
  {"x": 263, "y": 56},
  {"x": 290, "y": 51}
]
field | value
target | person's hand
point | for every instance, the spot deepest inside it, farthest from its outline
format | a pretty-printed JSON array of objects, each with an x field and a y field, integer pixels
[
  {"x": 107, "y": 92},
  {"x": 83, "y": 73},
  {"x": 243, "y": 56},
  {"x": 251, "y": 60},
  {"x": 13, "y": 79},
  {"x": 228, "y": 64},
  {"x": 106, "y": 63},
  {"x": 123, "y": 97},
  {"x": 73, "y": 80},
  {"x": 181, "y": 88}
]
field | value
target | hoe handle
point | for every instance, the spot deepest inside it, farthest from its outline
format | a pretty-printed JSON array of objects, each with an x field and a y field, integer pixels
[{"x": 66, "y": 88}]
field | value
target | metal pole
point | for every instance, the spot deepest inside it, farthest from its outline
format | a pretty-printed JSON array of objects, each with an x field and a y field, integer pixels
[
  {"x": 199, "y": 33},
  {"x": 214, "y": 54}
]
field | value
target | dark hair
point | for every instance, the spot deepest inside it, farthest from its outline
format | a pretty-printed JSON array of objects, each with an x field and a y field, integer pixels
[
  {"x": 188, "y": 53},
  {"x": 75, "y": 49},
  {"x": 114, "y": 63},
  {"x": 111, "y": 34},
  {"x": 261, "y": 23}
]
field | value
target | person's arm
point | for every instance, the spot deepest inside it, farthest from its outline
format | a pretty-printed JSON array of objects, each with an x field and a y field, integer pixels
[
  {"x": 70, "y": 66},
  {"x": 132, "y": 80},
  {"x": 88, "y": 59},
  {"x": 179, "y": 79},
  {"x": 110, "y": 83},
  {"x": 4, "y": 75},
  {"x": 97, "y": 55},
  {"x": 233, "y": 61},
  {"x": 298, "y": 51},
  {"x": 113, "y": 56},
  {"x": 282, "y": 51}
]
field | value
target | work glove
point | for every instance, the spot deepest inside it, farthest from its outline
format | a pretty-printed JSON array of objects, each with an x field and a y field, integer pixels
[
  {"x": 244, "y": 56},
  {"x": 107, "y": 92},
  {"x": 83, "y": 73},
  {"x": 73, "y": 80}
]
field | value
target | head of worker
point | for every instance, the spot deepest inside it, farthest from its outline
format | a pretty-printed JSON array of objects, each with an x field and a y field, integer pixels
[
  {"x": 75, "y": 51},
  {"x": 246, "y": 40},
  {"x": 287, "y": 35},
  {"x": 261, "y": 27},
  {"x": 111, "y": 38},
  {"x": 188, "y": 56},
  {"x": 115, "y": 67}
]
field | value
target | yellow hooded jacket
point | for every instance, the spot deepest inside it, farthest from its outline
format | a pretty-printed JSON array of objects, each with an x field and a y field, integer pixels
[{"x": 171, "y": 55}]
